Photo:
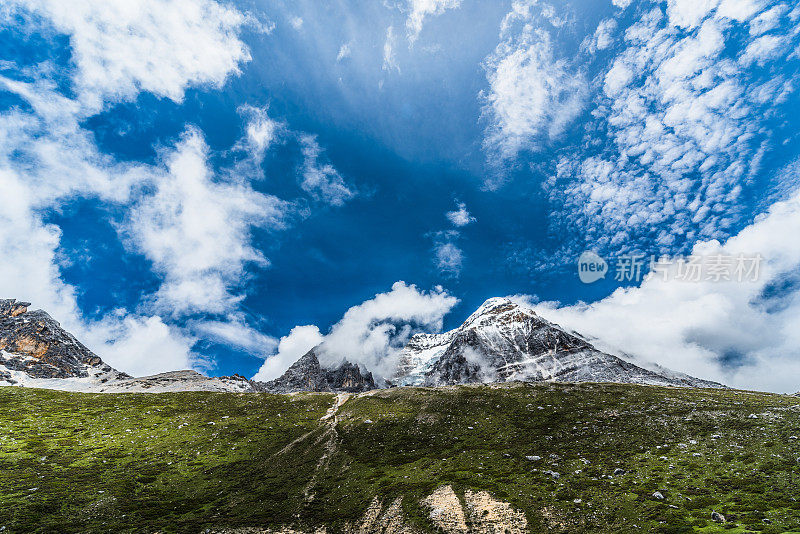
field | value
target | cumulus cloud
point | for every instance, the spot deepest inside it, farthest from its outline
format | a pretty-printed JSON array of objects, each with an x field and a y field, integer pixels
[
  {"x": 322, "y": 181},
  {"x": 142, "y": 345},
  {"x": 121, "y": 48},
  {"x": 533, "y": 95},
  {"x": 373, "y": 332},
  {"x": 460, "y": 217},
  {"x": 196, "y": 230},
  {"x": 419, "y": 10},
  {"x": 370, "y": 334},
  {"x": 741, "y": 333},
  {"x": 48, "y": 158},
  {"x": 300, "y": 340}
]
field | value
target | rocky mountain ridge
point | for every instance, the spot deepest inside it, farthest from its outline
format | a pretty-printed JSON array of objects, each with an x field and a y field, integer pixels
[
  {"x": 502, "y": 341},
  {"x": 306, "y": 374},
  {"x": 33, "y": 346},
  {"x": 505, "y": 341}
]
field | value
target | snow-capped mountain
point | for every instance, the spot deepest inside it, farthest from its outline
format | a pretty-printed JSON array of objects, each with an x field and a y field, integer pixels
[{"x": 504, "y": 341}]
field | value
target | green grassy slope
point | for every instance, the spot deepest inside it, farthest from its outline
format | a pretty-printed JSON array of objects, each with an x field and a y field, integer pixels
[{"x": 184, "y": 462}]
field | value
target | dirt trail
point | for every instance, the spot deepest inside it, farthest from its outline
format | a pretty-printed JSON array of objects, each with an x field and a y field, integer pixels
[
  {"x": 331, "y": 443},
  {"x": 332, "y": 412}
]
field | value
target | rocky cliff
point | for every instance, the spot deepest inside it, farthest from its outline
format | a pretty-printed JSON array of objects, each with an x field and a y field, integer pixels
[
  {"x": 306, "y": 374},
  {"x": 33, "y": 345}
]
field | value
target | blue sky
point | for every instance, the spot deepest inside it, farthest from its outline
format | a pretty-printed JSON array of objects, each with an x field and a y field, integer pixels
[{"x": 218, "y": 184}]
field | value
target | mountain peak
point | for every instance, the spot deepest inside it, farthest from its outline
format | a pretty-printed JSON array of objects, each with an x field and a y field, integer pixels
[
  {"x": 34, "y": 343},
  {"x": 12, "y": 308},
  {"x": 306, "y": 374},
  {"x": 505, "y": 340},
  {"x": 499, "y": 310}
]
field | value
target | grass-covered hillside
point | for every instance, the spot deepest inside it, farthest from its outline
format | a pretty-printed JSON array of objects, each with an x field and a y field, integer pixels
[{"x": 192, "y": 462}]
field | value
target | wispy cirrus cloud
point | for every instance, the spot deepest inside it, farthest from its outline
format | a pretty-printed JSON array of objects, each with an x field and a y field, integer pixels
[
  {"x": 321, "y": 180},
  {"x": 419, "y": 10}
]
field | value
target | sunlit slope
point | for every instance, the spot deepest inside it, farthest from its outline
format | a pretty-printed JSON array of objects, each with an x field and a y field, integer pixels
[{"x": 186, "y": 462}]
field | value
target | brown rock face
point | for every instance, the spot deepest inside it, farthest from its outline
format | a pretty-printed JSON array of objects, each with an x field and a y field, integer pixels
[{"x": 31, "y": 341}]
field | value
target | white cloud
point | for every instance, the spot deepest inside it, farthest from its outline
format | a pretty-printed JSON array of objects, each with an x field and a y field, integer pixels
[
  {"x": 419, "y": 10},
  {"x": 686, "y": 132},
  {"x": 373, "y": 332},
  {"x": 762, "y": 49},
  {"x": 161, "y": 46},
  {"x": 389, "y": 46},
  {"x": 695, "y": 327},
  {"x": 604, "y": 35},
  {"x": 532, "y": 95},
  {"x": 344, "y": 51},
  {"x": 322, "y": 181},
  {"x": 689, "y": 13},
  {"x": 300, "y": 340},
  {"x": 142, "y": 345},
  {"x": 768, "y": 20},
  {"x": 296, "y": 22},
  {"x": 235, "y": 332},
  {"x": 460, "y": 217},
  {"x": 449, "y": 258},
  {"x": 260, "y": 131},
  {"x": 195, "y": 229},
  {"x": 47, "y": 158}
]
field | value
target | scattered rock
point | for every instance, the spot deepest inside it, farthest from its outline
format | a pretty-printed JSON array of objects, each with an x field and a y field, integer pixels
[
  {"x": 658, "y": 495},
  {"x": 718, "y": 517},
  {"x": 533, "y": 458},
  {"x": 618, "y": 472}
]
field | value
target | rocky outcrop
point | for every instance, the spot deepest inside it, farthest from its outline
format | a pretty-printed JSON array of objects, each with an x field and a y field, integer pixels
[
  {"x": 36, "y": 351},
  {"x": 34, "y": 343},
  {"x": 483, "y": 514},
  {"x": 445, "y": 511},
  {"x": 504, "y": 341},
  {"x": 306, "y": 374},
  {"x": 488, "y": 515},
  {"x": 186, "y": 380},
  {"x": 380, "y": 519}
]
